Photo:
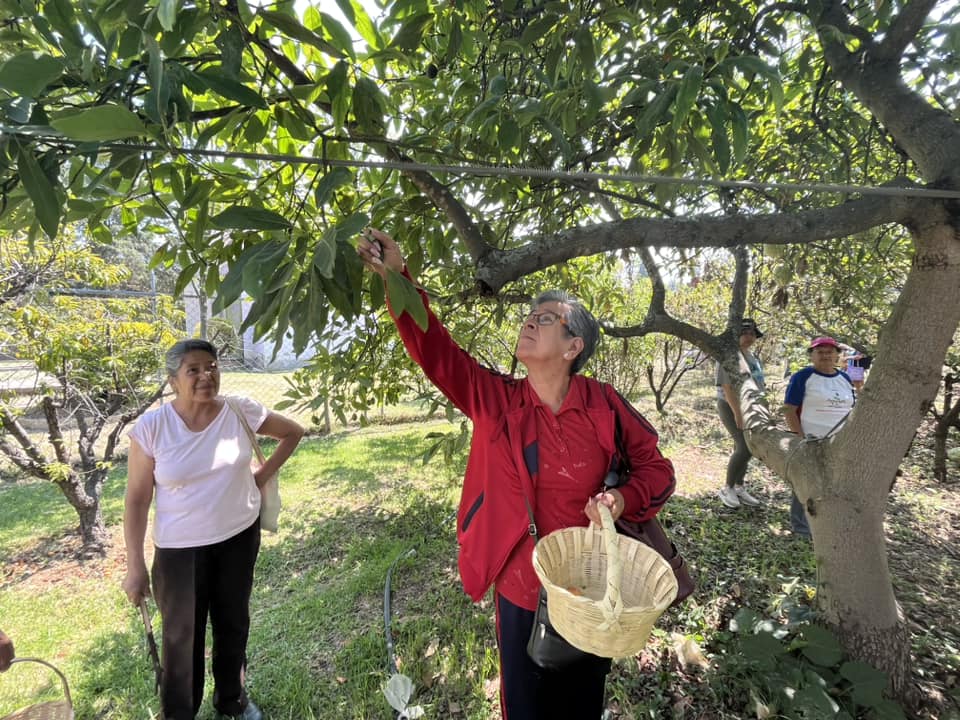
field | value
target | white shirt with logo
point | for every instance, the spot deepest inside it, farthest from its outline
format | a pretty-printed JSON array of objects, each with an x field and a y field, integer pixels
[{"x": 824, "y": 401}]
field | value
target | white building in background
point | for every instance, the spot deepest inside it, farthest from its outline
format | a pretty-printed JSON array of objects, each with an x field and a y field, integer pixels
[{"x": 254, "y": 354}]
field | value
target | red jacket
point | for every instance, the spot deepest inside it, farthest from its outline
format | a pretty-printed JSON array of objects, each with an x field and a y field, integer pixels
[{"x": 502, "y": 466}]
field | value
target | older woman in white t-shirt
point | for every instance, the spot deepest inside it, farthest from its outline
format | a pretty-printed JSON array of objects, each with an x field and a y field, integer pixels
[{"x": 192, "y": 458}]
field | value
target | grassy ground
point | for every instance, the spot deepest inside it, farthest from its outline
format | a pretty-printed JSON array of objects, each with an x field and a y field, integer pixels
[{"x": 358, "y": 501}]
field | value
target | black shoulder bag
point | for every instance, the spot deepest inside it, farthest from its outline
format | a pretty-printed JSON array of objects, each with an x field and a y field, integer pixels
[
  {"x": 546, "y": 647},
  {"x": 649, "y": 532}
]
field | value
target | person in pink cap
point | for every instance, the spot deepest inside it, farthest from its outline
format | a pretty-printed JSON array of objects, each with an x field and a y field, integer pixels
[{"x": 818, "y": 400}]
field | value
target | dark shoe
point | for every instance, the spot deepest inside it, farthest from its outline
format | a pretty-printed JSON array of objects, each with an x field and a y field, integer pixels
[{"x": 250, "y": 712}]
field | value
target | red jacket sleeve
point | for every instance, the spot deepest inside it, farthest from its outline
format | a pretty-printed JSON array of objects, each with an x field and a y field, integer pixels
[
  {"x": 456, "y": 373},
  {"x": 651, "y": 480}
]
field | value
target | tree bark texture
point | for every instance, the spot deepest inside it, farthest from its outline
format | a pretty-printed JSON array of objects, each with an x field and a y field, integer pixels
[{"x": 844, "y": 481}]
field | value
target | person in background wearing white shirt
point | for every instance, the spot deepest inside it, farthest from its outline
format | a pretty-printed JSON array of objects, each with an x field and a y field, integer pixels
[
  {"x": 818, "y": 400},
  {"x": 191, "y": 457},
  {"x": 733, "y": 494}
]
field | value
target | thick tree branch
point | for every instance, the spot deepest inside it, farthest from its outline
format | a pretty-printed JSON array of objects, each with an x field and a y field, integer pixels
[
  {"x": 903, "y": 29},
  {"x": 928, "y": 135},
  {"x": 500, "y": 267}
]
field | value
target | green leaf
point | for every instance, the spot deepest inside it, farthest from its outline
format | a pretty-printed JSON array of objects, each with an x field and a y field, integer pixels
[
  {"x": 718, "y": 135},
  {"x": 410, "y": 34},
  {"x": 752, "y": 65},
  {"x": 338, "y": 34},
  {"x": 454, "y": 41},
  {"x": 357, "y": 15},
  {"x": 867, "y": 683},
  {"x": 405, "y": 298},
  {"x": 250, "y": 218},
  {"x": 325, "y": 254},
  {"x": 186, "y": 275},
  {"x": 101, "y": 123},
  {"x": 813, "y": 697},
  {"x": 29, "y": 73},
  {"x": 888, "y": 710},
  {"x": 167, "y": 14},
  {"x": 367, "y": 105},
  {"x": 376, "y": 291},
  {"x": 821, "y": 646},
  {"x": 215, "y": 80},
  {"x": 687, "y": 95},
  {"x": 40, "y": 190},
  {"x": 741, "y": 133},
  {"x": 762, "y": 648},
  {"x": 292, "y": 28},
  {"x": 585, "y": 49},
  {"x": 336, "y": 178}
]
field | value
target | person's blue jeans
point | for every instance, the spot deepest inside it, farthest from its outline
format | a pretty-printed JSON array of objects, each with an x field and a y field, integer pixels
[{"x": 798, "y": 517}]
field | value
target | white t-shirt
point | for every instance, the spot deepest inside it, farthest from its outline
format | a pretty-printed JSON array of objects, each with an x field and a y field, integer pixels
[
  {"x": 824, "y": 400},
  {"x": 204, "y": 486}
]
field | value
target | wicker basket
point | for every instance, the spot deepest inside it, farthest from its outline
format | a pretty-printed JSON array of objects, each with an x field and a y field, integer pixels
[
  {"x": 54, "y": 710},
  {"x": 605, "y": 591}
]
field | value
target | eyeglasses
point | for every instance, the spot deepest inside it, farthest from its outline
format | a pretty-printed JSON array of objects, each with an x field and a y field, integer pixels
[{"x": 545, "y": 318}]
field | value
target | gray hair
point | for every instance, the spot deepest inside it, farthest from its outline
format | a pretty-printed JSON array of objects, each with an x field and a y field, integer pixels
[
  {"x": 174, "y": 357},
  {"x": 580, "y": 323}
]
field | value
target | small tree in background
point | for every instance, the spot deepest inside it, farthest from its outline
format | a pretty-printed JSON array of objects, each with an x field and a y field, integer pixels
[{"x": 98, "y": 366}]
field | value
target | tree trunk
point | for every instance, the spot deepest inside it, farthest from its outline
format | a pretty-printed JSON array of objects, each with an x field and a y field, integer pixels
[
  {"x": 93, "y": 532},
  {"x": 844, "y": 481}
]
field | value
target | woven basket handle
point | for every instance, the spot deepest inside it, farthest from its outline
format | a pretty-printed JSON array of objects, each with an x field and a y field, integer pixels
[
  {"x": 63, "y": 679},
  {"x": 612, "y": 603}
]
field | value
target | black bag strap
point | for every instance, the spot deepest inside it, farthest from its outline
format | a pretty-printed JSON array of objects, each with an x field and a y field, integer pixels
[{"x": 618, "y": 475}]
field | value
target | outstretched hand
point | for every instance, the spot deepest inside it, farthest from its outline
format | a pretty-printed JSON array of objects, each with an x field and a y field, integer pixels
[{"x": 379, "y": 252}]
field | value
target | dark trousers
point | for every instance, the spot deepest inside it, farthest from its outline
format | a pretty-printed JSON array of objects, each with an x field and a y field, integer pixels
[
  {"x": 189, "y": 584},
  {"x": 740, "y": 457},
  {"x": 528, "y": 692}
]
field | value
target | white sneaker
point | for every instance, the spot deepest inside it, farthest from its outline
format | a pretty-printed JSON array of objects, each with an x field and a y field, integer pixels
[
  {"x": 729, "y": 497},
  {"x": 744, "y": 497}
]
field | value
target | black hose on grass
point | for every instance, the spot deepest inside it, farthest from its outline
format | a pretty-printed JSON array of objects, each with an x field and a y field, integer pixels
[{"x": 391, "y": 654}]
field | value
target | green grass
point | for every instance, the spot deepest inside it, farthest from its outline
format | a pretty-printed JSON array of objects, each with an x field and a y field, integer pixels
[{"x": 354, "y": 503}]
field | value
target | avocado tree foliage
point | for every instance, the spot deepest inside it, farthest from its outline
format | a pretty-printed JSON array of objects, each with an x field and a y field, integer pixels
[
  {"x": 97, "y": 363},
  {"x": 228, "y": 129}
]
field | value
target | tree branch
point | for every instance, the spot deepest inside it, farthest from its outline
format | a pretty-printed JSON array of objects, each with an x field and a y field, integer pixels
[
  {"x": 903, "y": 29},
  {"x": 54, "y": 430},
  {"x": 13, "y": 427},
  {"x": 500, "y": 267}
]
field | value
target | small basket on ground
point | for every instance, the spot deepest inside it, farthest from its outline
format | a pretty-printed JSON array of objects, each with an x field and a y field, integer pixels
[
  {"x": 52, "y": 710},
  {"x": 604, "y": 590}
]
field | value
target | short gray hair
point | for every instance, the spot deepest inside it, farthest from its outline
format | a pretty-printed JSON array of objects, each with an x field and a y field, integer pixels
[
  {"x": 174, "y": 357},
  {"x": 580, "y": 323}
]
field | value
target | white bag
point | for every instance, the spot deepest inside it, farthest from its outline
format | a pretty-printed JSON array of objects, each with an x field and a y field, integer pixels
[{"x": 270, "y": 490}]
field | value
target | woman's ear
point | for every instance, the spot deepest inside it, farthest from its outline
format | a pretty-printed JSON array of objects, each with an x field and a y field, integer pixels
[{"x": 576, "y": 347}]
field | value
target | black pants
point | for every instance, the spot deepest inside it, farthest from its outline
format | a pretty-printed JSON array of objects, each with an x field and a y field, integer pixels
[
  {"x": 528, "y": 692},
  {"x": 189, "y": 584}
]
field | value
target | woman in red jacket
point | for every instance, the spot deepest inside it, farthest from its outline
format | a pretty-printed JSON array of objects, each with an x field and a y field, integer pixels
[{"x": 547, "y": 440}]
